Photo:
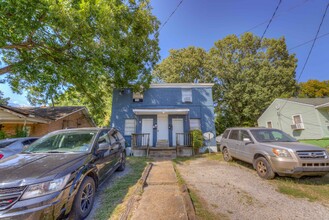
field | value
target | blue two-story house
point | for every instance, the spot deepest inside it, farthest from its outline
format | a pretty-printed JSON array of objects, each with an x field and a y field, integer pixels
[{"x": 162, "y": 116}]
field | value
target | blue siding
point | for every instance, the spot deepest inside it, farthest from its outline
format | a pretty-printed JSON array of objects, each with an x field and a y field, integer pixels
[{"x": 170, "y": 98}]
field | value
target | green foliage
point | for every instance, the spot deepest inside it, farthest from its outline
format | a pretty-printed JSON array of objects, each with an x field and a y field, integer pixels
[
  {"x": 183, "y": 66},
  {"x": 20, "y": 132},
  {"x": 49, "y": 46},
  {"x": 197, "y": 139},
  {"x": 248, "y": 75},
  {"x": 3, "y": 135},
  {"x": 314, "y": 89},
  {"x": 3, "y": 101},
  {"x": 100, "y": 113}
]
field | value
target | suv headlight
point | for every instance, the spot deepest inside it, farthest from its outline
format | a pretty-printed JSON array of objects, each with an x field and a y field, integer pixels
[
  {"x": 281, "y": 152},
  {"x": 45, "y": 188}
]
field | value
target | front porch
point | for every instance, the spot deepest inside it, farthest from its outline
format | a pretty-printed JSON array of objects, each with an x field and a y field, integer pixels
[{"x": 140, "y": 145}]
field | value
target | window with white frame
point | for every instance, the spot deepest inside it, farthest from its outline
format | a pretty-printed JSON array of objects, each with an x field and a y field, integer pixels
[
  {"x": 186, "y": 95},
  {"x": 269, "y": 124},
  {"x": 297, "y": 121},
  {"x": 130, "y": 126},
  {"x": 195, "y": 124}
]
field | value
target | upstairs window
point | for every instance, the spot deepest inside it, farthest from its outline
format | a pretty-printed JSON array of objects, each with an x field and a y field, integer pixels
[
  {"x": 187, "y": 95},
  {"x": 130, "y": 126},
  {"x": 195, "y": 124},
  {"x": 137, "y": 97}
]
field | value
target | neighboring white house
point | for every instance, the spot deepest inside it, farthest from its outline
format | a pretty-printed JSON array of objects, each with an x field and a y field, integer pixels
[{"x": 302, "y": 118}]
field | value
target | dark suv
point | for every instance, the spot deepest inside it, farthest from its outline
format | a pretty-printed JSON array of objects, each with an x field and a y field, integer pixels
[{"x": 59, "y": 174}]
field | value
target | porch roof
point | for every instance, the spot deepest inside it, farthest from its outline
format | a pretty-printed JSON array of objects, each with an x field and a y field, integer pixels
[{"x": 176, "y": 111}]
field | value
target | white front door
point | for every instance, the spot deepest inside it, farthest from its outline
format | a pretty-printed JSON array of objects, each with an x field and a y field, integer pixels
[
  {"x": 163, "y": 127},
  {"x": 177, "y": 127},
  {"x": 147, "y": 127}
]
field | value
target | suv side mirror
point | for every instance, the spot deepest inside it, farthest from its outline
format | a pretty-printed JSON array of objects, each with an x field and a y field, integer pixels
[
  {"x": 247, "y": 140},
  {"x": 103, "y": 146}
]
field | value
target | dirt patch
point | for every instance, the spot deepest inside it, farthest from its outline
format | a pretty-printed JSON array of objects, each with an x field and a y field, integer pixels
[{"x": 237, "y": 192}]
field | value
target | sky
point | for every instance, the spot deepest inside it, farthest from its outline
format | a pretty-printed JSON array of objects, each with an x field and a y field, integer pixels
[{"x": 201, "y": 23}]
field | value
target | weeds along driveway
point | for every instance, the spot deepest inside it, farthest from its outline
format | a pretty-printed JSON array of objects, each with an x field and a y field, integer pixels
[
  {"x": 110, "y": 196},
  {"x": 234, "y": 191}
]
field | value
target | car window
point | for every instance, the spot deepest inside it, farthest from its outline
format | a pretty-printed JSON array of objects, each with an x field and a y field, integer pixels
[
  {"x": 74, "y": 141},
  {"x": 244, "y": 134},
  {"x": 225, "y": 135},
  {"x": 103, "y": 137},
  {"x": 271, "y": 135},
  {"x": 234, "y": 135}
]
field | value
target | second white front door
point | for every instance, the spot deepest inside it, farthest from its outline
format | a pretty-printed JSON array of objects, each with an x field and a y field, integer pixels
[
  {"x": 163, "y": 127},
  {"x": 177, "y": 127},
  {"x": 147, "y": 127}
]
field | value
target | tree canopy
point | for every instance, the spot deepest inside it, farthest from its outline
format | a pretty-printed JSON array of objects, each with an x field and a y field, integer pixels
[
  {"x": 183, "y": 66},
  {"x": 49, "y": 46},
  {"x": 248, "y": 74},
  {"x": 3, "y": 100},
  {"x": 314, "y": 89}
]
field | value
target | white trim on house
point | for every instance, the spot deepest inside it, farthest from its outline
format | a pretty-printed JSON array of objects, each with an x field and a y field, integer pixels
[
  {"x": 182, "y": 85},
  {"x": 285, "y": 100},
  {"x": 323, "y": 105},
  {"x": 176, "y": 111}
]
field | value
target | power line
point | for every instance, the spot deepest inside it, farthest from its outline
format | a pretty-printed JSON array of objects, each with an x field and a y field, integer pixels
[
  {"x": 316, "y": 36},
  {"x": 309, "y": 41},
  {"x": 164, "y": 24},
  {"x": 264, "y": 22},
  {"x": 276, "y": 9}
]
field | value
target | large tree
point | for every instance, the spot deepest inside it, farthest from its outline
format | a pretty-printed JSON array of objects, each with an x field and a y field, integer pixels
[
  {"x": 48, "y": 46},
  {"x": 182, "y": 66},
  {"x": 314, "y": 89},
  {"x": 248, "y": 74}
]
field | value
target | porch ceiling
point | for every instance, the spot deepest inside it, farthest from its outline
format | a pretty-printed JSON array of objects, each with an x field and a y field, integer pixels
[{"x": 176, "y": 111}]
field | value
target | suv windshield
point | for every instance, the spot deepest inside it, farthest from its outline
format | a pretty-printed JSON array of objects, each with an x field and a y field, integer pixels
[
  {"x": 271, "y": 135},
  {"x": 69, "y": 141}
]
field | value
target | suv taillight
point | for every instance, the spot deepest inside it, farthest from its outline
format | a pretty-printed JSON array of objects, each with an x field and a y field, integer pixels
[{"x": 1, "y": 156}]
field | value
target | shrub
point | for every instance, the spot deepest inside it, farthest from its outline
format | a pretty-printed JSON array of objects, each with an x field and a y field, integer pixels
[
  {"x": 2, "y": 135},
  {"x": 197, "y": 140},
  {"x": 21, "y": 132}
]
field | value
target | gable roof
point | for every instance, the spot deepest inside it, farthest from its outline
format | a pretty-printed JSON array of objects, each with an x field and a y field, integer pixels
[
  {"x": 309, "y": 101},
  {"x": 52, "y": 113},
  {"x": 44, "y": 114}
]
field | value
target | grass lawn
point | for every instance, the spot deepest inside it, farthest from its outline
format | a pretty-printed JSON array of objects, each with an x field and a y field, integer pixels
[
  {"x": 112, "y": 197},
  {"x": 321, "y": 142}
]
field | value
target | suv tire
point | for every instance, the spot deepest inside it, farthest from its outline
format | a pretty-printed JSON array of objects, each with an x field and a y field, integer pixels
[
  {"x": 123, "y": 162},
  {"x": 264, "y": 169},
  {"x": 84, "y": 199},
  {"x": 226, "y": 155}
]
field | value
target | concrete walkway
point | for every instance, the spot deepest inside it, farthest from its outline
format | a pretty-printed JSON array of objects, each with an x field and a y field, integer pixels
[{"x": 162, "y": 197}]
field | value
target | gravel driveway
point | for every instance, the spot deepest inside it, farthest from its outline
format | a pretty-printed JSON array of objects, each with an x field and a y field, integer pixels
[{"x": 236, "y": 192}]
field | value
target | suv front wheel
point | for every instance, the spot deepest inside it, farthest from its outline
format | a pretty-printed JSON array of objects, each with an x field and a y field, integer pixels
[{"x": 264, "y": 168}]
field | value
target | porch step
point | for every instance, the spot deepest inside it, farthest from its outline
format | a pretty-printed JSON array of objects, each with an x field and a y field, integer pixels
[
  {"x": 162, "y": 143},
  {"x": 162, "y": 152}
]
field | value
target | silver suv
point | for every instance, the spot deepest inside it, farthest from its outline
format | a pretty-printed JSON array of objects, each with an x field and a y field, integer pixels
[{"x": 272, "y": 151}]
